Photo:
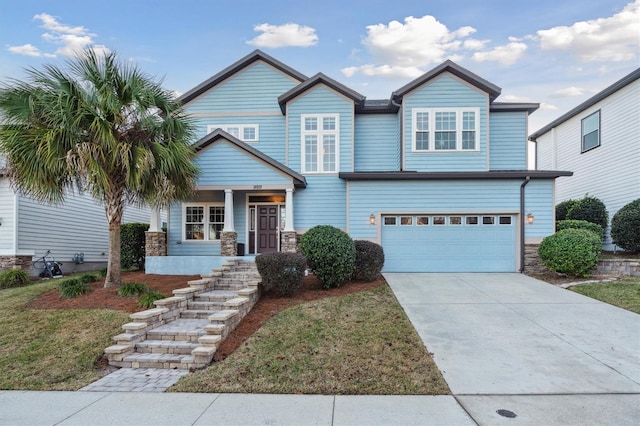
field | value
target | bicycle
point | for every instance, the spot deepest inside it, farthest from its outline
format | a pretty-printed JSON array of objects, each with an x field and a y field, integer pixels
[{"x": 48, "y": 266}]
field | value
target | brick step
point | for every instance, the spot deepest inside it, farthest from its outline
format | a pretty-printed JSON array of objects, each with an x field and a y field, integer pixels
[
  {"x": 144, "y": 360},
  {"x": 166, "y": 347},
  {"x": 228, "y": 287},
  {"x": 216, "y": 296},
  {"x": 188, "y": 330},
  {"x": 196, "y": 313},
  {"x": 205, "y": 305}
]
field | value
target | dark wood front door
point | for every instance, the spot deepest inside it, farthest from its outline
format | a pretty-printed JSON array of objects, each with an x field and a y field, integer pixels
[{"x": 267, "y": 229}]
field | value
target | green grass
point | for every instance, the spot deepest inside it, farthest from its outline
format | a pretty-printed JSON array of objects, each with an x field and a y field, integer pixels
[
  {"x": 361, "y": 343},
  {"x": 51, "y": 349},
  {"x": 624, "y": 292}
]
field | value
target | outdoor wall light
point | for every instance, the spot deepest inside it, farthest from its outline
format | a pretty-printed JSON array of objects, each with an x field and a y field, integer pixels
[
  {"x": 372, "y": 219},
  {"x": 529, "y": 218}
]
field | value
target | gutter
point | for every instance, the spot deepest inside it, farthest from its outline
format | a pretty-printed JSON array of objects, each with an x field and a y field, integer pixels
[{"x": 522, "y": 219}]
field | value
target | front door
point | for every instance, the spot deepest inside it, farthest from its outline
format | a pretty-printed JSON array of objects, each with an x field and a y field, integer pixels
[{"x": 267, "y": 229}]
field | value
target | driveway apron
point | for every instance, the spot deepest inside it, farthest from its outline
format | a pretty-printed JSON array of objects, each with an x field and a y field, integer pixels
[{"x": 510, "y": 334}]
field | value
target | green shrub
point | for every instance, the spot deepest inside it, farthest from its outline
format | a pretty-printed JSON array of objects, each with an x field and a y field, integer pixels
[
  {"x": 331, "y": 254},
  {"x": 88, "y": 278},
  {"x": 369, "y": 260},
  {"x": 132, "y": 244},
  {"x": 281, "y": 271},
  {"x": 73, "y": 287},
  {"x": 590, "y": 209},
  {"x": 571, "y": 251},
  {"x": 132, "y": 289},
  {"x": 147, "y": 299},
  {"x": 563, "y": 208},
  {"x": 13, "y": 278},
  {"x": 625, "y": 227},
  {"x": 580, "y": 224},
  {"x": 102, "y": 273}
]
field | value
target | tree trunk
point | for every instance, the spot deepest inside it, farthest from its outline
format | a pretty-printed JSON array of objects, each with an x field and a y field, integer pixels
[{"x": 113, "y": 208}]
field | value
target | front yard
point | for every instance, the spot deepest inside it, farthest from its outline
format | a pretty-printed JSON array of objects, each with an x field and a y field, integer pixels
[{"x": 624, "y": 292}]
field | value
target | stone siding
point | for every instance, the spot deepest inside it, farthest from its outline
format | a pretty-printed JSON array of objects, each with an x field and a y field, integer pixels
[
  {"x": 620, "y": 267},
  {"x": 15, "y": 262},
  {"x": 289, "y": 242},
  {"x": 228, "y": 244},
  {"x": 155, "y": 243},
  {"x": 532, "y": 262}
]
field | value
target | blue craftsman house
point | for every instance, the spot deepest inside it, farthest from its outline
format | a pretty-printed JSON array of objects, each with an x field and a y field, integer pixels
[{"x": 436, "y": 174}]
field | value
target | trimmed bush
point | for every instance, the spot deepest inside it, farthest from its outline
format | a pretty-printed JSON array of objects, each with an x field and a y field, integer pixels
[
  {"x": 132, "y": 244},
  {"x": 580, "y": 224},
  {"x": 590, "y": 209},
  {"x": 331, "y": 254},
  {"x": 571, "y": 251},
  {"x": 13, "y": 278},
  {"x": 369, "y": 260},
  {"x": 147, "y": 299},
  {"x": 563, "y": 208},
  {"x": 625, "y": 227},
  {"x": 72, "y": 288},
  {"x": 132, "y": 289},
  {"x": 282, "y": 272}
]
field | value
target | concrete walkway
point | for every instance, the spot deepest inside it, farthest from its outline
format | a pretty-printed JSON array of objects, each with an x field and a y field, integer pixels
[{"x": 510, "y": 342}]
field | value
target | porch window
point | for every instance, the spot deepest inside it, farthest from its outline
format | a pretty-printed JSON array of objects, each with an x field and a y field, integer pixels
[
  {"x": 445, "y": 130},
  {"x": 203, "y": 222},
  {"x": 320, "y": 143}
]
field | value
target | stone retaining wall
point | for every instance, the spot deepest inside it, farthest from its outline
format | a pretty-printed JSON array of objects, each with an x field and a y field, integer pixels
[
  {"x": 532, "y": 262},
  {"x": 621, "y": 267}
]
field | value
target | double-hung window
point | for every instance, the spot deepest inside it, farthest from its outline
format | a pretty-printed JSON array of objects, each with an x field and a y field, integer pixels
[
  {"x": 446, "y": 129},
  {"x": 591, "y": 131},
  {"x": 320, "y": 143},
  {"x": 203, "y": 222},
  {"x": 244, "y": 132}
]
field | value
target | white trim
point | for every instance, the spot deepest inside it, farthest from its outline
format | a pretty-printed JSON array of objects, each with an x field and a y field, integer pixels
[
  {"x": 205, "y": 224},
  {"x": 241, "y": 128},
  {"x": 319, "y": 133},
  {"x": 432, "y": 129}
]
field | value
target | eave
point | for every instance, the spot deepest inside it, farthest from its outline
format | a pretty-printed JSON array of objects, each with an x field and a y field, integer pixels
[{"x": 506, "y": 174}]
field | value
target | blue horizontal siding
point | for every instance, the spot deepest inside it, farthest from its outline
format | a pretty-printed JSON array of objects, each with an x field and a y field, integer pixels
[
  {"x": 255, "y": 88},
  {"x": 539, "y": 201},
  {"x": 323, "y": 202},
  {"x": 226, "y": 164},
  {"x": 445, "y": 92},
  {"x": 321, "y": 100},
  {"x": 508, "y": 141},
  {"x": 377, "y": 147}
]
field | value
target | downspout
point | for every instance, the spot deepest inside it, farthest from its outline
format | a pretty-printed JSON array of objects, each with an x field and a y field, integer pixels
[
  {"x": 394, "y": 103},
  {"x": 522, "y": 219}
]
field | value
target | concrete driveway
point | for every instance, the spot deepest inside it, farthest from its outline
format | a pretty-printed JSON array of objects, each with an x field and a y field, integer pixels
[{"x": 508, "y": 341}]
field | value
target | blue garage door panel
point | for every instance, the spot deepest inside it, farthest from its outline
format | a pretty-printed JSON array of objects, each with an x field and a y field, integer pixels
[{"x": 481, "y": 247}]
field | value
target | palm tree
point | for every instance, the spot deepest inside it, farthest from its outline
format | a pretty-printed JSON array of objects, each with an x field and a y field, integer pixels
[{"x": 102, "y": 127}]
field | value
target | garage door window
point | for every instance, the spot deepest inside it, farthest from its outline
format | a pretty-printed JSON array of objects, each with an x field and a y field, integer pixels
[
  {"x": 406, "y": 220},
  {"x": 422, "y": 220},
  {"x": 389, "y": 220},
  {"x": 455, "y": 220},
  {"x": 505, "y": 220},
  {"x": 438, "y": 220},
  {"x": 488, "y": 220},
  {"x": 472, "y": 220}
]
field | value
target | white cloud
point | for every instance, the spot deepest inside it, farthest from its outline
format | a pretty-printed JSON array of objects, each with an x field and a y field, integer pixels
[
  {"x": 28, "y": 50},
  {"x": 615, "y": 38},
  {"x": 507, "y": 54},
  {"x": 383, "y": 70},
  {"x": 515, "y": 98},
  {"x": 284, "y": 36},
  {"x": 50, "y": 23},
  {"x": 548, "y": 107},
  {"x": 568, "y": 92},
  {"x": 474, "y": 44}
]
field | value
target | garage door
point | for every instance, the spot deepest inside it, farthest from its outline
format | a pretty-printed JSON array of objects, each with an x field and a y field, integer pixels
[{"x": 449, "y": 243}]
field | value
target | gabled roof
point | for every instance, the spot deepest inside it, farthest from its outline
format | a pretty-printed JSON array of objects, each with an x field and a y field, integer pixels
[
  {"x": 319, "y": 78},
  {"x": 299, "y": 181},
  {"x": 624, "y": 81},
  {"x": 449, "y": 66},
  {"x": 234, "y": 68}
]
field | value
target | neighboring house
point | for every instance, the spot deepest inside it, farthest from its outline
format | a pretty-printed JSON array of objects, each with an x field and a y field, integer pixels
[
  {"x": 28, "y": 229},
  {"x": 599, "y": 140},
  {"x": 436, "y": 174}
]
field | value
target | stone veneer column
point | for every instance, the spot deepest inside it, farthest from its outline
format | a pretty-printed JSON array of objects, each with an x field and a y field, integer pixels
[
  {"x": 155, "y": 243},
  {"x": 289, "y": 242},
  {"x": 228, "y": 243},
  {"x": 15, "y": 262},
  {"x": 532, "y": 262}
]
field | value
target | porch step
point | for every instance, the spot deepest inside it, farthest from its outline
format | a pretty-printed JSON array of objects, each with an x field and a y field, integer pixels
[
  {"x": 144, "y": 360},
  {"x": 205, "y": 305},
  {"x": 197, "y": 313},
  {"x": 216, "y": 296},
  {"x": 166, "y": 347},
  {"x": 188, "y": 330}
]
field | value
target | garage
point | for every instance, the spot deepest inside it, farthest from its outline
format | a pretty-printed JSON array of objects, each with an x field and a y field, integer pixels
[{"x": 449, "y": 243}]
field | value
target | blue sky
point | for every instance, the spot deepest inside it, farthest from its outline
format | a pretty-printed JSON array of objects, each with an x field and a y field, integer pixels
[{"x": 557, "y": 53}]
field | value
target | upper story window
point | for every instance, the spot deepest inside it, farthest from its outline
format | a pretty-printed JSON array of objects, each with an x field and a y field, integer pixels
[
  {"x": 591, "y": 131},
  {"x": 320, "y": 143},
  {"x": 446, "y": 129},
  {"x": 203, "y": 222},
  {"x": 244, "y": 132}
]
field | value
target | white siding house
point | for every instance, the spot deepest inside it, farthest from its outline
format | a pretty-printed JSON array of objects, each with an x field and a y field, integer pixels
[{"x": 599, "y": 141}]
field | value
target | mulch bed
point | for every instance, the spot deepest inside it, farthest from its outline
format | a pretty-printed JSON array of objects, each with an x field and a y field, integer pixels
[{"x": 268, "y": 305}]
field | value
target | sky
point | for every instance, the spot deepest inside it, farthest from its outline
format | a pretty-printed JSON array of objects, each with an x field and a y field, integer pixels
[{"x": 556, "y": 53}]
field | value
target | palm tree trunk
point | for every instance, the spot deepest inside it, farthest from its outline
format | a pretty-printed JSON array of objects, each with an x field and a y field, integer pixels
[{"x": 113, "y": 208}]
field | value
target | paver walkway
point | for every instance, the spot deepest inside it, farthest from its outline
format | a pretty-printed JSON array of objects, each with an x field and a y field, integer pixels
[{"x": 136, "y": 380}]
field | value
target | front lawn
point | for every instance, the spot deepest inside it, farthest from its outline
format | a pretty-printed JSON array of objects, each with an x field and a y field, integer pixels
[
  {"x": 362, "y": 343},
  {"x": 624, "y": 292},
  {"x": 51, "y": 349}
]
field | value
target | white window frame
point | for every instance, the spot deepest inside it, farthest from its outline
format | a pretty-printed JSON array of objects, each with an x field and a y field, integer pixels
[
  {"x": 432, "y": 129},
  {"x": 583, "y": 134},
  {"x": 319, "y": 133},
  {"x": 206, "y": 207},
  {"x": 241, "y": 129}
]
